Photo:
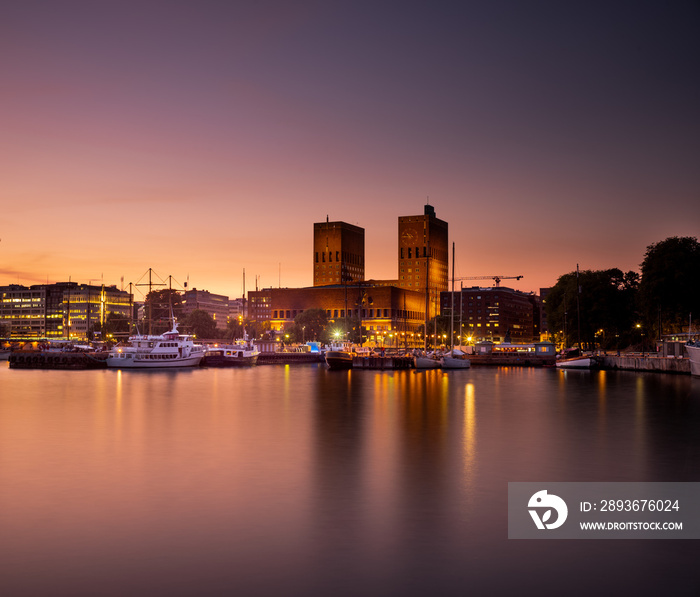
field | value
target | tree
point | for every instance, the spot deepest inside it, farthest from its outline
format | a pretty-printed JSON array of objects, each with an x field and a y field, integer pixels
[
  {"x": 606, "y": 301},
  {"x": 256, "y": 329},
  {"x": 440, "y": 325},
  {"x": 345, "y": 329},
  {"x": 201, "y": 324},
  {"x": 157, "y": 308},
  {"x": 115, "y": 322},
  {"x": 670, "y": 286},
  {"x": 234, "y": 328},
  {"x": 310, "y": 325}
]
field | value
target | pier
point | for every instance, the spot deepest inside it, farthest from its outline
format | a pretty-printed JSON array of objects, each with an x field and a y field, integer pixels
[
  {"x": 651, "y": 363},
  {"x": 512, "y": 360},
  {"x": 57, "y": 360},
  {"x": 289, "y": 358},
  {"x": 375, "y": 362}
]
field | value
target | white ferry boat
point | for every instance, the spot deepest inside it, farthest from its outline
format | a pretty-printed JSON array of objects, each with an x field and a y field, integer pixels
[{"x": 150, "y": 352}]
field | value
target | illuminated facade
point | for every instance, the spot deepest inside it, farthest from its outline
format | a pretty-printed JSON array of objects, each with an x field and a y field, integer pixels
[
  {"x": 389, "y": 315},
  {"x": 23, "y": 311},
  {"x": 423, "y": 255},
  {"x": 339, "y": 253},
  {"x": 59, "y": 311},
  {"x": 493, "y": 314}
]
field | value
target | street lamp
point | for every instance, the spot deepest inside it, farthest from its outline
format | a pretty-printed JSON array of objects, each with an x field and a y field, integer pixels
[{"x": 641, "y": 330}]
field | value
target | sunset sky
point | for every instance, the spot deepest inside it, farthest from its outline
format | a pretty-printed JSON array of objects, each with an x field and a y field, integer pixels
[{"x": 202, "y": 138}]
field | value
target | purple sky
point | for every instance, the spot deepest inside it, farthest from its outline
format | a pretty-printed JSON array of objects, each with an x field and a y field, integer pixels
[{"x": 202, "y": 138}]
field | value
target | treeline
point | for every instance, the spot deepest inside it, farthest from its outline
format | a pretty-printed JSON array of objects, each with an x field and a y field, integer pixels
[{"x": 612, "y": 309}]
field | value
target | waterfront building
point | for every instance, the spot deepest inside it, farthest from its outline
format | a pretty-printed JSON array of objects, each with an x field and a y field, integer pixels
[
  {"x": 423, "y": 255},
  {"x": 339, "y": 253},
  {"x": 23, "y": 311},
  {"x": 216, "y": 305},
  {"x": 496, "y": 314},
  {"x": 236, "y": 309},
  {"x": 85, "y": 306},
  {"x": 389, "y": 315},
  {"x": 66, "y": 310},
  {"x": 544, "y": 327}
]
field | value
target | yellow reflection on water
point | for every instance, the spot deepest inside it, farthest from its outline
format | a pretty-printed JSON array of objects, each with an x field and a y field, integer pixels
[
  {"x": 286, "y": 383},
  {"x": 469, "y": 438},
  {"x": 444, "y": 400},
  {"x": 602, "y": 398},
  {"x": 119, "y": 390}
]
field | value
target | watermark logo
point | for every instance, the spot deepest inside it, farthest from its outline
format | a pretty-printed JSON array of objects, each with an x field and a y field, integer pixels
[{"x": 544, "y": 503}]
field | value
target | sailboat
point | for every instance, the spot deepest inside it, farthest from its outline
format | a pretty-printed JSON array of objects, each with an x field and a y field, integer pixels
[
  {"x": 455, "y": 359},
  {"x": 580, "y": 361}
]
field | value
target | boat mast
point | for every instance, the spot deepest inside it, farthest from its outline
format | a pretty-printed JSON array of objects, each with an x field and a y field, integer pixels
[
  {"x": 452, "y": 310},
  {"x": 578, "y": 309},
  {"x": 427, "y": 297},
  {"x": 170, "y": 300},
  {"x": 461, "y": 309},
  {"x": 68, "y": 318},
  {"x": 131, "y": 309},
  {"x": 244, "y": 308}
]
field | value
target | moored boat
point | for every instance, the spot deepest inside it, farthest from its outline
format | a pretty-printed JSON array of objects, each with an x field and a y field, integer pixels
[
  {"x": 338, "y": 359},
  {"x": 455, "y": 359},
  {"x": 231, "y": 355},
  {"x": 693, "y": 349},
  {"x": 150, "y": 352},
  {"x": 575, "y": 363},
  {"x": 426, "y": 361}
]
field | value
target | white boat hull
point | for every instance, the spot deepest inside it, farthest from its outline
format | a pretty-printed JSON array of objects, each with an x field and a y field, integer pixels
[
  {"x": 132, "y": 362},
  {"x": 449, "y": 362},
  {"x": 694, "y": 357},
  {"x": 425, "y": 363},
  {"x": 582, "y": 363}
]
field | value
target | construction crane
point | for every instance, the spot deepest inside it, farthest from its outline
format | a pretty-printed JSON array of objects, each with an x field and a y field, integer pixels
[{"x": 496, "y": 279}]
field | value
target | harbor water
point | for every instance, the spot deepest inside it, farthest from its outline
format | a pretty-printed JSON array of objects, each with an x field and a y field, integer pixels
[{"x": 296, "y": 480}]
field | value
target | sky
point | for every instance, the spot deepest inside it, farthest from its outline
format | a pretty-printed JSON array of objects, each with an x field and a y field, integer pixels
[{"x": 204, "y": 138}]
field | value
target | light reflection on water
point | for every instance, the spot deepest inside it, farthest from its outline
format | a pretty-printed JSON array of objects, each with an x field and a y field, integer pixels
[{"x": 287, "y": 480}]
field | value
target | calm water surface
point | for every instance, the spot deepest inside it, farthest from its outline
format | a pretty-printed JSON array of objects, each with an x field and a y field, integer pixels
[{"x": 282, "y": 480}]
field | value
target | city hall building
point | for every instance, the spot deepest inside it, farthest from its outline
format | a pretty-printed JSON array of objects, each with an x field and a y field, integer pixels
[
  {"x": 389, "y": 315},
  {"x": 391, "y": 311}
]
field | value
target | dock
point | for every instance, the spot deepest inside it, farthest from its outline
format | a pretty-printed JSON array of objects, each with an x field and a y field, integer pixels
[
  {"x": 57, "y": 360},
  {"x": 386, "y": 362},
  {"x": 512, "y": 360},
  {"x": 650, "y": 363},
  {"x": 289, "y": 358}
]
